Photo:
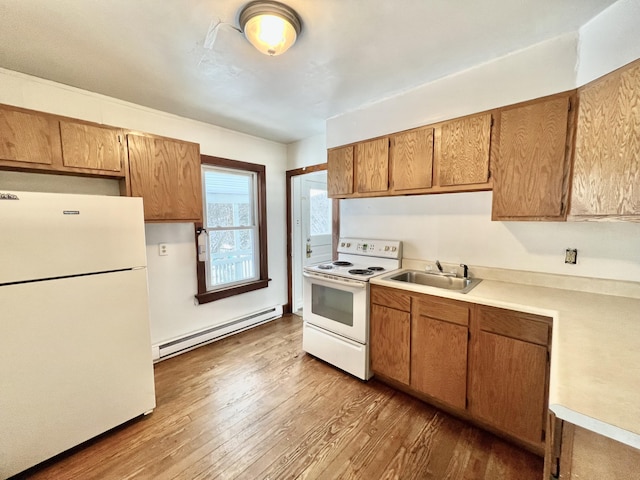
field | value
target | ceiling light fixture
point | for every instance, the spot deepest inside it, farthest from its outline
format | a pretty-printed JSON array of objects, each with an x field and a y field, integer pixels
[{"x": 271, "y": 27}]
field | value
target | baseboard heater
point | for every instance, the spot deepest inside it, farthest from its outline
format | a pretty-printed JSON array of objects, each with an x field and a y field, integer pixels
[{"x": 208, "y": 335}]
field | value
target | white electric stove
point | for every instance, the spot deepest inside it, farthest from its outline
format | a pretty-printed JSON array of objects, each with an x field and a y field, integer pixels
[{"x": 336, "y": 302}]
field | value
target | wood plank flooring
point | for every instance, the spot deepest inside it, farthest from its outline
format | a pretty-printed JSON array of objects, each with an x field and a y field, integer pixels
[{"x": 255, "y": 406}]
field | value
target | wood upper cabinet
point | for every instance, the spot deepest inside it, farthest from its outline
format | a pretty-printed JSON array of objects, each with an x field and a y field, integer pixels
[
  {"x": 411, "y": 160},
  {"x": 166, "y": 174},
  {"x": 340, "y": 171},
  {"x": 439, "y": 339},
  {"x": 372, "y": 166},
  {"x": 509, "y": 372},
  {"x": 533, "y": 163},
  {"x": 39, "y": 141},
  {"x": 92, "y": 146},
  {"x": 463, "y": 150},
  {"x": 28, "y": 137},
  {"x": 606, "y": 176},
  {"x": 389, "y": 333}
]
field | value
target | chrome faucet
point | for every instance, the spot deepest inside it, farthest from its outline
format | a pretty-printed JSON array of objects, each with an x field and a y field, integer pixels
[
  {"x": 465, "y": 270},
  {"x": 439, "y": 266}
]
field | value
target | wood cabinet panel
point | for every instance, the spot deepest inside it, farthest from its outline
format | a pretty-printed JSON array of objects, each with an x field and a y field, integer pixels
[
  {"x": 442, "y": 309},
  {"x": 439, "y": 359},
  {"x": 532, "y": 168},
  {"x": 463, "y": 154},
  {"x": 507, "y": 388},
  {"x": 372, "y": 166},
  {"x": 411, "y": 160},
  {"x": 89, "y": 146},
  {"x": 166, "y": 173},
  {"x": 518, "y": 325},
  {"x": 29, "y": 137},
  {"x": 390, "y": 342},
  {"x": 340, "y": 171},
  {"x": 390, "y": 297},
  {"x": 606, "y": 178},
  {"x": 587, "y": 455}
]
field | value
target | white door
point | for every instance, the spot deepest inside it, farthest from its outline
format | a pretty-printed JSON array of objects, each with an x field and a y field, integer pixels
[
  {"x": 316, "y": 219},
  {"x": 312, "y": 221}
]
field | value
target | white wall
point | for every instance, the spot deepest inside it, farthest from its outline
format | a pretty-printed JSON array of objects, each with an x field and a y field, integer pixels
[
  {"x": 172, "y": 279},
  {"x": 310, "y": 151},
  {"x": 544, "y": 69},
  {"x": 609, "y": 41}
]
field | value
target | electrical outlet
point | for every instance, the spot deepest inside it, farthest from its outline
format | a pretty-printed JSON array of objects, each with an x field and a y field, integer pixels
[
  {"x": 571, "y": 256},
  {"x": 163, "y": 249}
]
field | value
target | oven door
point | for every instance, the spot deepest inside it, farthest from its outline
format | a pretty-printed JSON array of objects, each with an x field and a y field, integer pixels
[{"x": 338, "y": 306}]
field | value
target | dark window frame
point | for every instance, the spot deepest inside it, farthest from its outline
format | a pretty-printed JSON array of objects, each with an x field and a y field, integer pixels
[{"x": 204, "y": 296}]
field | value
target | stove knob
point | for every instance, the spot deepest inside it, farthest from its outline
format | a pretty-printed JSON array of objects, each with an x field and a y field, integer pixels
[
  {"x": 342, "y": 244},
  {"x": 393, "y": 249},
  {"x": 386, "y": 249},
  {"x": 348, "y": 245}
]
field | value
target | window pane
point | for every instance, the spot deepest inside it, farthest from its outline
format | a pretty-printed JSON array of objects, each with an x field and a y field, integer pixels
[
  {"x": 320, "y": 210},
  {"x": 228, "y": 198},
  {"x": 231, "y": 254}
]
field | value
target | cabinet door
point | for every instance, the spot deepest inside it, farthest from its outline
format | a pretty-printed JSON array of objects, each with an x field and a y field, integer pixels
[
  {"x": 462, "y": 157},
  {"x": 439, "y": 359},
  {"x": 389, "y": 342},
  {"x": 91, "y": 147},
  {"x": 411, "y": 160},
  {"x": 530, "y": 173},
  {"x": 508, "y": 385},
  {"x": 340, "y": 171},
  {"x": 372, "y": 166},
  {"x": 166, "y": 174},
  {"x": 28, "y": 137},
  {"x": 606, "y": 177}
]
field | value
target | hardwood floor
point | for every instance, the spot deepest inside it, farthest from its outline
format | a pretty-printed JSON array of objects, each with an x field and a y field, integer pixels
[{"x": 256, "y": 406}]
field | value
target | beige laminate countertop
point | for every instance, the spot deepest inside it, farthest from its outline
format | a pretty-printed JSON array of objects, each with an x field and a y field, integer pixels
[{"x": 595, "y": 351}]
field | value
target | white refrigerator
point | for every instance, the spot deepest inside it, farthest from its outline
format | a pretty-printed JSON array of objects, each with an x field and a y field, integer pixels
[{"x": 75, "y": 349}]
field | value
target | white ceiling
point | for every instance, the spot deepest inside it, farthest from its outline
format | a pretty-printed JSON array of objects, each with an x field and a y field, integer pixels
[{"x": 350, "y": 52}]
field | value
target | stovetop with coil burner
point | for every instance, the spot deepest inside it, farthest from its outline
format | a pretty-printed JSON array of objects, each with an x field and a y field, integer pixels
[{"x": 360, "y": 259}]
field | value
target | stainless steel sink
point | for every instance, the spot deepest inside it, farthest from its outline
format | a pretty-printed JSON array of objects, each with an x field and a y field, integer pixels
[{"x": 457, "y": 284}]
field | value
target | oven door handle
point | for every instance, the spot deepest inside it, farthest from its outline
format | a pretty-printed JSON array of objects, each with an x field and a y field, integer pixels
[{"x": 332, "y": 280}]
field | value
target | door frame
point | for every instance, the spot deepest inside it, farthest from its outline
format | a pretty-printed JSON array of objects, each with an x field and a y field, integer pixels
[{"x": 335, "y": 227}]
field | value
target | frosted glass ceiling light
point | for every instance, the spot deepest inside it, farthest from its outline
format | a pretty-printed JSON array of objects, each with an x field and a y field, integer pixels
[{"x": 271, "y": 27}]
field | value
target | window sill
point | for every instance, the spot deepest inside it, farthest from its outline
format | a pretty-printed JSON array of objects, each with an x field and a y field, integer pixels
[{"x": 231, "y": 291}]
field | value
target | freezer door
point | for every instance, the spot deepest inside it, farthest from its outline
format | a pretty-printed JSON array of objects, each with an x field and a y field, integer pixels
[
  {"x": 48, "y": 235},
  {"x": 75, "y": 361}
]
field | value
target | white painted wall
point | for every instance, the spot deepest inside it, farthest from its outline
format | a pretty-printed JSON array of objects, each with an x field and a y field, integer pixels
[
  {"x": 609, "y": 41},
  {"x": 540, "y": 70},
  {"x": 310, "y": 151},
  {"x": 172, "y": 279}
]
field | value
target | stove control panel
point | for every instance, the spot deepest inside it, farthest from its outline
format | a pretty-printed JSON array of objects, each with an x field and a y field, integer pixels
[{"x": 371, "y": 247}]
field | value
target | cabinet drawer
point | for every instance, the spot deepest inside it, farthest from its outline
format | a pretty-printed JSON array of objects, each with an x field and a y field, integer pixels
[
  {"x": 518, "y": 325},
  {"x": 447, "y": 311},
  {"x": 390, "y": 298}
]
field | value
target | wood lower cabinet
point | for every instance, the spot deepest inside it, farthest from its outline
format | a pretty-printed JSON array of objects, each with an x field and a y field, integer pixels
[
  {"x": 585, "y": 454},
  {"x": 486, "y": 364},
  {"x": 531, "y": 171},
  {"x": 606, "y": 176},
  {"x": 389, "y": 333},
  {"x": 166, "y": 174},
  {"x": 439, "y": 339},
  {"x": 463, "y": 150},
  {"x": 509, "y": 372},
  {"x": 340, "y": 171}
]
